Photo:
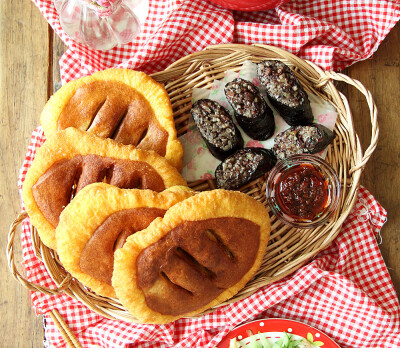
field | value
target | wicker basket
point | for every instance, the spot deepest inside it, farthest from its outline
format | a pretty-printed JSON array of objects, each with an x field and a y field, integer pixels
[{"x": 288, "y": 248}]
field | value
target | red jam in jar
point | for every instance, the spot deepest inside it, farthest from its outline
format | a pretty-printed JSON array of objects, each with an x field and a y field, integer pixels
[{"x": 302, "y": 192}]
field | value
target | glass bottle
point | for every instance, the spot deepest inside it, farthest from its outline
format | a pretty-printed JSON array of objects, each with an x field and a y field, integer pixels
[{"x": 101, "y": 24}]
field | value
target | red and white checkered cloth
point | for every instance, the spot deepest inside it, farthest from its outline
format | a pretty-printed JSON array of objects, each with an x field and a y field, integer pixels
[
  {"x": 331, "y": 33},
  {"x": 346, "y": 290}
]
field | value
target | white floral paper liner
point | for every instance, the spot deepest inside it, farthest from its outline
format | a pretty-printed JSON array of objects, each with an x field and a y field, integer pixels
[{"x": 199, "y": 163}]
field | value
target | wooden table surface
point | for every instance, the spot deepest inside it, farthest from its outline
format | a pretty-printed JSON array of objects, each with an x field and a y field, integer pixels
[{"x": 29, "y": 74}]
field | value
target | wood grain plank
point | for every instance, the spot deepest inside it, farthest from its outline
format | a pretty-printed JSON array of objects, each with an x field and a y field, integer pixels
[
  {"x": 381, "y": 75},
  {"x": 23, "y": 92},
  {"x": 58, "y": 50}
]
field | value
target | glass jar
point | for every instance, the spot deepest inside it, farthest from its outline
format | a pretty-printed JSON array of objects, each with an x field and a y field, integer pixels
[
  {"x": 101, "y": 24},
  {"x": 303, "y": 191}
]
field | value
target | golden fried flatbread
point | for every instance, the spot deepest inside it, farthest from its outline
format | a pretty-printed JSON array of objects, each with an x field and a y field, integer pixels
[
  {"x": 98, "y": 221},
  {"x": 71, "y": 159},
  {"x": 125, "y": 105},
  {"x": 201, "y": 253}
]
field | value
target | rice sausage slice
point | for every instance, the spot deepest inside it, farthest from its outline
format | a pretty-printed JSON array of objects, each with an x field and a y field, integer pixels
[
  {"x": 244, "y": 166},
  {"x": 216, "y": 127},
  {"x": 251, "y": 111},
  {"x": 302, "y": 139},
  {"x": 285, "y": 92}
]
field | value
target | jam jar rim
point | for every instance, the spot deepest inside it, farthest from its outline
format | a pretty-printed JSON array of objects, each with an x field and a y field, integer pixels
[{"x": 328, "y": 172}]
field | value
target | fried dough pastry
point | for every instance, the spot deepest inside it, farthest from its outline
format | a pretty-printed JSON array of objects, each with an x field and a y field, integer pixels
[
  {"x": 201, "y": 253},
  {"x": 70, "y": 160},
  {"x": 98, "y": 221},
  {"x": 125, "y": 105}
]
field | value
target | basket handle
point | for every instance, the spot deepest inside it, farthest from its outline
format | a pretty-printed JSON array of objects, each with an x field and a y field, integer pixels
[
  {"x": 69, "y": 337},
  {"x": 11, "y": 264},
  {"x": 330, "y": 75}
]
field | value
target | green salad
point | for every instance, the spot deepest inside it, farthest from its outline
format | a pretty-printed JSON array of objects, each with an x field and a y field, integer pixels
[{"x": 260, "y": 340}]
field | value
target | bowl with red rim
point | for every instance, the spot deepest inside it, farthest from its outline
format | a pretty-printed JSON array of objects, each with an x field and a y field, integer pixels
[
  {"x": 272, "y": 329},
  {"x": 303, "y": 191},
  {"x": 249, "y": 5}
]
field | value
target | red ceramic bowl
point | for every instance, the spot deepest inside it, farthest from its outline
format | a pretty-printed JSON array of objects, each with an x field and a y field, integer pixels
[{"x": 249, "y": 5}]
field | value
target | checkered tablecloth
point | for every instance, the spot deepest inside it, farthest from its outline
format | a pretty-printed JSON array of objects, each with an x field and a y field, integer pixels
[
  {"x": 344, "y": 291},
  {"x": 331, "y": 33}
]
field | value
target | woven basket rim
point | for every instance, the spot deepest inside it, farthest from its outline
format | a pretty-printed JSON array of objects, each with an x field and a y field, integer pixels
[{"x": 346, "y": 156}]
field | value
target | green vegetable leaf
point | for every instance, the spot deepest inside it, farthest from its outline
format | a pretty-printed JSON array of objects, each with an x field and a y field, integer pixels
[
  {"x": 296, "y": 343},
  {"x": 318, "y": 343},
  {"x": 310, "y": 337},
  {"x": 278, "y": 344},
  {"x": 253, "y": 343},
  {"x": 265, "y": 343},
  {"x": 286, "y": 339}
]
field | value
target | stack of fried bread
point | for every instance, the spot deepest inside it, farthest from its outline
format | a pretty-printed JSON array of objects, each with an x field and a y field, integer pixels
[{"x": 104, "y": 191}]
